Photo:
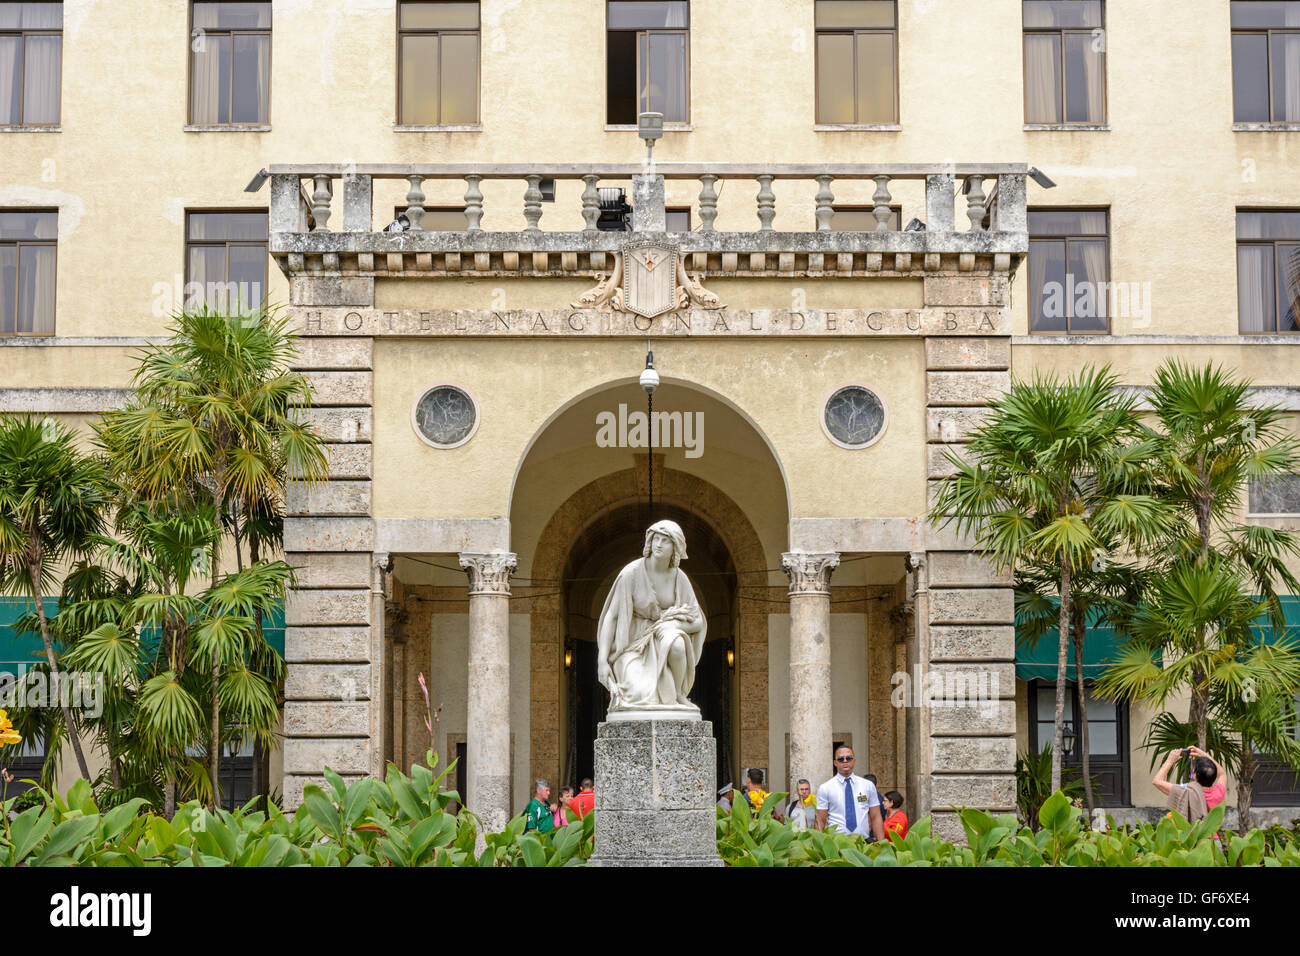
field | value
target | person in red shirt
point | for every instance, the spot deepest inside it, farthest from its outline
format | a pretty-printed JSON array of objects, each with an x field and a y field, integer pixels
[
  {"x": 895, "y": 818},
  {"x": 1216, "y": 791},
  {"x": 585, "y": 799}
]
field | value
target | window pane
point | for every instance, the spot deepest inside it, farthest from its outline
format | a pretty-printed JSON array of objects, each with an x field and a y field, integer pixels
[
  {"x": 1099, "y": 708},
  {"x": 8, "y": 288},
  {"x": 41, "y": 75},
  {"x": 439, "y": 16},
  {"x": 678, "y": 220},
  {"x": 1279, "y": 495},
  {"x": 1047, "y": 305},
  {"x": 207, "y": 267},
  {"x": 232, "y": 16},
  {"x": 226, "y": 226},
  {"x": 1067, "y": 222},
  {"x": 876, "y": 78},
  {"x": 626, "y": 15},
  {"x": 1268, "y": 224},
  {"x": 1087, "y": 289},
  {"x": 850, "y": 14},
  {"x": 11, "y": 49},
  {"x": 210, "y": 99},
  {"x": 1256, "y": 310},
  {"x": 252, "y": 78},
  {"x": 21, "y": 224},
  {"x": 247, "y": 274},
  {"x": 459, "y": 79},
  {"x": 419, "y": 81},
  {"x": 1250, "y": 78},
  {"x": 1102, "y": 737},
  {"x": 1288, "y": 287},
  {"x": 36, "y": 289},
  {"x": 1062, "y": 13},
  {"x": 1266, "y": 13},
  {"x": 663, "y": 83},
  {"x": 1285, "y": 62},
  {"x": 1043, "y": 78},
  {"x": 443, "y": 220},
  {"x": 861, "y": 220},
  {"x": 835, "y": 79},
  {"x": 620, "y": 76},
  {"x": 1047, "y": 710},
  {"x": 31, "y": 16},
  {"x": 1084, "y": 80}
]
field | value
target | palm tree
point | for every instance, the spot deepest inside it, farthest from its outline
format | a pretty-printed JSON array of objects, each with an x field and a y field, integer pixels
[
  {"x": 52, "y": 500},
  {"x": 1052, "y": 481},
  {"x": 213, "y": 418}
]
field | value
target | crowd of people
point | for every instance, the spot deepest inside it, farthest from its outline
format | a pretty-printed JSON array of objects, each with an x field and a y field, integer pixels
[{"x": 848, "y": 802}]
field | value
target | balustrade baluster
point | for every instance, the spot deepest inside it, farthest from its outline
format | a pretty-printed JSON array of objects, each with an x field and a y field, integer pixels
[
  {"x": 825, "y": 203},
  {"x": 975, "y": 202},
  {"x": 766, "y": 203},
  {"x": 473, "y": 204},
  {"x": 533, "y": 202},
  {"x": 320, "y": 201},
  {"x": 591, "y": 201},
  {"x": 881, "y": 208},
  {"x": 708, "y": 202},
  {"x": 415, "y": 202}
]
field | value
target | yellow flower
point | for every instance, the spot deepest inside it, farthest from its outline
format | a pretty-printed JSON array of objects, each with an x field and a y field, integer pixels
[{"x": 7, "y": 733}]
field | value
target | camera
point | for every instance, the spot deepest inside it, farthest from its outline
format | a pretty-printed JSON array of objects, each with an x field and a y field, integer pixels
[{"x": 1187, "y": 751}]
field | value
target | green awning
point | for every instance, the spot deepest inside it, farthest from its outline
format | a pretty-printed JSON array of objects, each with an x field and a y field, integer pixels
[
  {"x": 1291, "y": 611},
  {"x": 1100, "y": 645},
  {"x": 27, "y": 649}
]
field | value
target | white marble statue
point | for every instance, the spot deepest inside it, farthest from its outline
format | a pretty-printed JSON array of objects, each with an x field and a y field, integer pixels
[{"x": 651, "y": 633}]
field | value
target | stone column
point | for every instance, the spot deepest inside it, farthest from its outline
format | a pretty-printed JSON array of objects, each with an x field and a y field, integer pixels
[
  {"x": 810, "y": 663},
  {"x": 487, "y": 724}
]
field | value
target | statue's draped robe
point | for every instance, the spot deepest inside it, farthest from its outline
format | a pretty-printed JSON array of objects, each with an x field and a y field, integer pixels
[{"x": 637, "y": 657}]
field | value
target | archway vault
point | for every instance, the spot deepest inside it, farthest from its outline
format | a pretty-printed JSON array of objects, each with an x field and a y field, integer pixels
[{"x": 556, "y": 542}]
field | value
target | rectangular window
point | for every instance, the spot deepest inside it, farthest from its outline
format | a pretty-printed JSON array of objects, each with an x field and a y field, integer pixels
[
  {"x": 1103, "y": 721},
  {"x": 647, "y": 68},
  {"x": 1266, "y": 61},
  {"x": 438, "y": 63},
  {"x": 225, "y": 260},
  {"x": 857, "y": 62},
  {"x": 1268, "y": 271},
  {"x": 863, "y": 219},
  {"x": 31, "y": 63},
  {"x": 678, "y": 218},
  {"x": 28, "y": 251},
  {"x": 1069, "y": 271},
  {"x": 1065, "y": 62},
  {"x": 230, "y": 64},
  {"x": 1279, "y": 495}
]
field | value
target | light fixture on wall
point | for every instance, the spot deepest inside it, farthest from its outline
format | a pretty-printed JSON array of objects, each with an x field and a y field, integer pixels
[
  {"x": 650, "y": 381},
  {"x": 568, "y": 658},
  {"x": 1067, "y": 737},
  {"x": 731, "y": 657}
]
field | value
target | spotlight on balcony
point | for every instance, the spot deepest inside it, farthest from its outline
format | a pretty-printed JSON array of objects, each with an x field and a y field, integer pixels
[
  {"x": 650, "y": 126},
  {"x": 1040, "y": 177},
  {"x": 615, "y": 213},
  {"x": 915, "y": 225},
  {"x": 257, "y": 181}
]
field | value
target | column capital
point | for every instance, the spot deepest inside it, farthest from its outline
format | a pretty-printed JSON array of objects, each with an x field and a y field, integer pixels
[
  {"x": 918, "y": 567},
  {"x": 489, "y": 571},
  {"x": 810, "y": 571}
]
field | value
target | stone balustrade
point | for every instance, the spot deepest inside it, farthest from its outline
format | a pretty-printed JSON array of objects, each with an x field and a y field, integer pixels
[{"x": 308, "y": 234}]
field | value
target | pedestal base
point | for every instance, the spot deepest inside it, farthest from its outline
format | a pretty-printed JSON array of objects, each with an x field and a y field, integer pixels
[{"x": 656, "y": 794}]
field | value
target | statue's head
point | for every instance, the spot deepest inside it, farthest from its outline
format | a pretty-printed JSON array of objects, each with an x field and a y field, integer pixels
[{"x": 673, "y": 532}]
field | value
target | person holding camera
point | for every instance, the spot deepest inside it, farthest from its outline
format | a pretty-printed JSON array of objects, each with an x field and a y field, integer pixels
[{"x": 1196, "y": 798}]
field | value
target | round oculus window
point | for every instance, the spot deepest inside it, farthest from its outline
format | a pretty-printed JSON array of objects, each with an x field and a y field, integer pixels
[
  {"x": 854, "y": 416},
  {"x": 445, "y": 416}
]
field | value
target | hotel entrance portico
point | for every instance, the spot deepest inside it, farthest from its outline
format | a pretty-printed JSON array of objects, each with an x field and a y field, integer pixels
[{"x": 479, "y": 391}]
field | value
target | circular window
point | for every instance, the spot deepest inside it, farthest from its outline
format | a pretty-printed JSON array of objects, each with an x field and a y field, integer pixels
[
  {"x": 445, "y": 416},
  {"x": 854, "y": 416}
]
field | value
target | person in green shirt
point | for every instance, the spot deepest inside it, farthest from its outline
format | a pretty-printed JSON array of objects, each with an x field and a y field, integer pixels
[{"x": 538, "y": 814}]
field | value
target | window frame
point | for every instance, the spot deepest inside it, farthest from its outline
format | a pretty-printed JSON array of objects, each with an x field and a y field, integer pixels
[
  {"x": 1062, "y": 33},
  {"x": 190, "y": 122},
  {"x": 855, "y": 32},
  {"x": 895, "y": 209},
  {"x": 1067, "y": 239},
  {"x": 1074, "y": 759},
  {"x": 437, "y": 32},
  {"x": 225, "y": 244},
  {"x": 680, "y": 210},
  {"x": 18, "y": 244},
  {"x": 1274, "y": 244},
  {"x": 22, "y": 35},
  {"x": 1268, "y": 33},
  {"x": 684, "y": 32}
]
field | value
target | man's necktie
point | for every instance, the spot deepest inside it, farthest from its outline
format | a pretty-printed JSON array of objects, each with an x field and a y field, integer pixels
[{"x": 850, "y": 810}]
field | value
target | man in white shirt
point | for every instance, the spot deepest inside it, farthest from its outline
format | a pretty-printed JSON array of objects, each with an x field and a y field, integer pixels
[{"x": 848, "y": 802}]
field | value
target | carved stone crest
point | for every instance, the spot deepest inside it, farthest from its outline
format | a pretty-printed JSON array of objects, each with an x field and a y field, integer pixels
[{"x": 649, "y": 278}]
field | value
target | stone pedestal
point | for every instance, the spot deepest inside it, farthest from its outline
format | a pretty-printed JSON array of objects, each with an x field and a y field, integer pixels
[{"x": 656, "y": 794}]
